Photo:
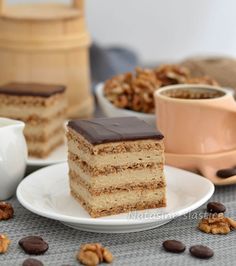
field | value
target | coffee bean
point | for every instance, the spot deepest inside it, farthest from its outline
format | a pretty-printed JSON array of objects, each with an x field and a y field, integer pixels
[
  {"x": 216, "y": 207},
  {"x": 32, "y": 262},
  {"x": 174, "y": 246},
  {"x": 202, "y": 252},
  {"x": 225, "y": 173},
  {"x": 34, "y": 245}
]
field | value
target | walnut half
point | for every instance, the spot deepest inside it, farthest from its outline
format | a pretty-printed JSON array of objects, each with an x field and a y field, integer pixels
[
  {"x": 4, "y": 243},
  {"x": 92, "y": 254},
  {"x": 217, "y": 224},
  {"x": 6, "y": 211}
]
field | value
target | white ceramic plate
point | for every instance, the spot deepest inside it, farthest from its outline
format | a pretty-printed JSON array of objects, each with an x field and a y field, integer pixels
[
  {"x": 111, "y": 111},
  {"x": 46, "y": 193},
  {"x": 59, "y": 155}
]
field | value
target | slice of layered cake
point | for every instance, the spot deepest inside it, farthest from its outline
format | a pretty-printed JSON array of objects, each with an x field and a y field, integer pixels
[
  {"x": 42, "y": 108},
  {"x": 116, "y": 165}
]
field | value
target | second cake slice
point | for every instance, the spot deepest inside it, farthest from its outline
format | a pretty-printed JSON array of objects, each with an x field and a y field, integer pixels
[
  {"x": 116, "y": 165},
  {"x": 42, "y": 107}
]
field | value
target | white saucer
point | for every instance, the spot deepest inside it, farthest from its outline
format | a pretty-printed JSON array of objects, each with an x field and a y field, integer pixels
[
  {"x": 46, "y": 193},
  {"x": 59, "y": 155}
]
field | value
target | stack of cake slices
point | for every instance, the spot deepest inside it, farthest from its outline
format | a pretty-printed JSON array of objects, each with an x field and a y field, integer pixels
[
  {"x": 42, "y": 108},
  {"x": 116, "y": 165}
]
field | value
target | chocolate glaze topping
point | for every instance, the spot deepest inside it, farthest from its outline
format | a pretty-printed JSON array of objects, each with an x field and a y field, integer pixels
[
  {"x": 31, "y": 89},
  {"x": 105, "y": 130}
]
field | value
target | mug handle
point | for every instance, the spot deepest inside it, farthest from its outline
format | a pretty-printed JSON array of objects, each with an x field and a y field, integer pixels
[
  {"x": 208, "y": 165},
  {"x": 210, "y": 173}
]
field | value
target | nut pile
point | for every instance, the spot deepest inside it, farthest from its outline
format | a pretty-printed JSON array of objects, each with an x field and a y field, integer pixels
[
  {"x": 216, "y": 222},
  {"x": 171, "y": 74},
  {"x": 135, "y": 91},
  {"x": 93, "y": 254}
]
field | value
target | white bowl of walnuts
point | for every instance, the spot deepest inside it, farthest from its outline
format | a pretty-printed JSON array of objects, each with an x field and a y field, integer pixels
[
  {"x": 132, "y": 94},
  {"x": 110, "y": 110}
]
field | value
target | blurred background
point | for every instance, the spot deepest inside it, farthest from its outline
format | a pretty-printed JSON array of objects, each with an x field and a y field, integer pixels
[{"x": 160, "y": 31}]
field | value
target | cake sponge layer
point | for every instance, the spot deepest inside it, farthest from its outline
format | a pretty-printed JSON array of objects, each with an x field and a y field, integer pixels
[
  {"x": 115, "y": 203},
  {"x": 42, "y": 107}
]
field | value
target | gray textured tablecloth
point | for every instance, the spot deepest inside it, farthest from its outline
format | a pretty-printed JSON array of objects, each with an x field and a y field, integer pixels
[{"x": 143, "y": 248}]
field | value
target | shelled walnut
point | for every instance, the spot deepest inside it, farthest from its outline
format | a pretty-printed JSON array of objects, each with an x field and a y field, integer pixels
[
  {"x": 6, "y": 211},
  {"x": 171, "y": 74},
  {"x": 93, "y": 254},
  {"x": 4, "y": 243},
  {"x": 217, "y": 223}
]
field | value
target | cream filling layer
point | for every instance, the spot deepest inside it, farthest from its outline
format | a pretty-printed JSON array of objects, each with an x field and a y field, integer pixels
[
  {"x": 106, "y": 201},
  {"x": 155, "y": 156},
  {"x": 130, "y": 176}
]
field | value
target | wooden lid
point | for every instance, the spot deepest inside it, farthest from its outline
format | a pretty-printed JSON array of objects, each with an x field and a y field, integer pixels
[{"x": 41, "y": 12}]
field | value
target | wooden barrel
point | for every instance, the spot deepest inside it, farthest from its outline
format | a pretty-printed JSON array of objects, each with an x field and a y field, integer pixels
[{"x": 47, "y": 43}]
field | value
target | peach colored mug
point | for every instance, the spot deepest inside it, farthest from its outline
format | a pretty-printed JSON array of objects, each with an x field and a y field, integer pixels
[
  {"x": 198, "y": 126},
  {"x": 200, "y": 134}
]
